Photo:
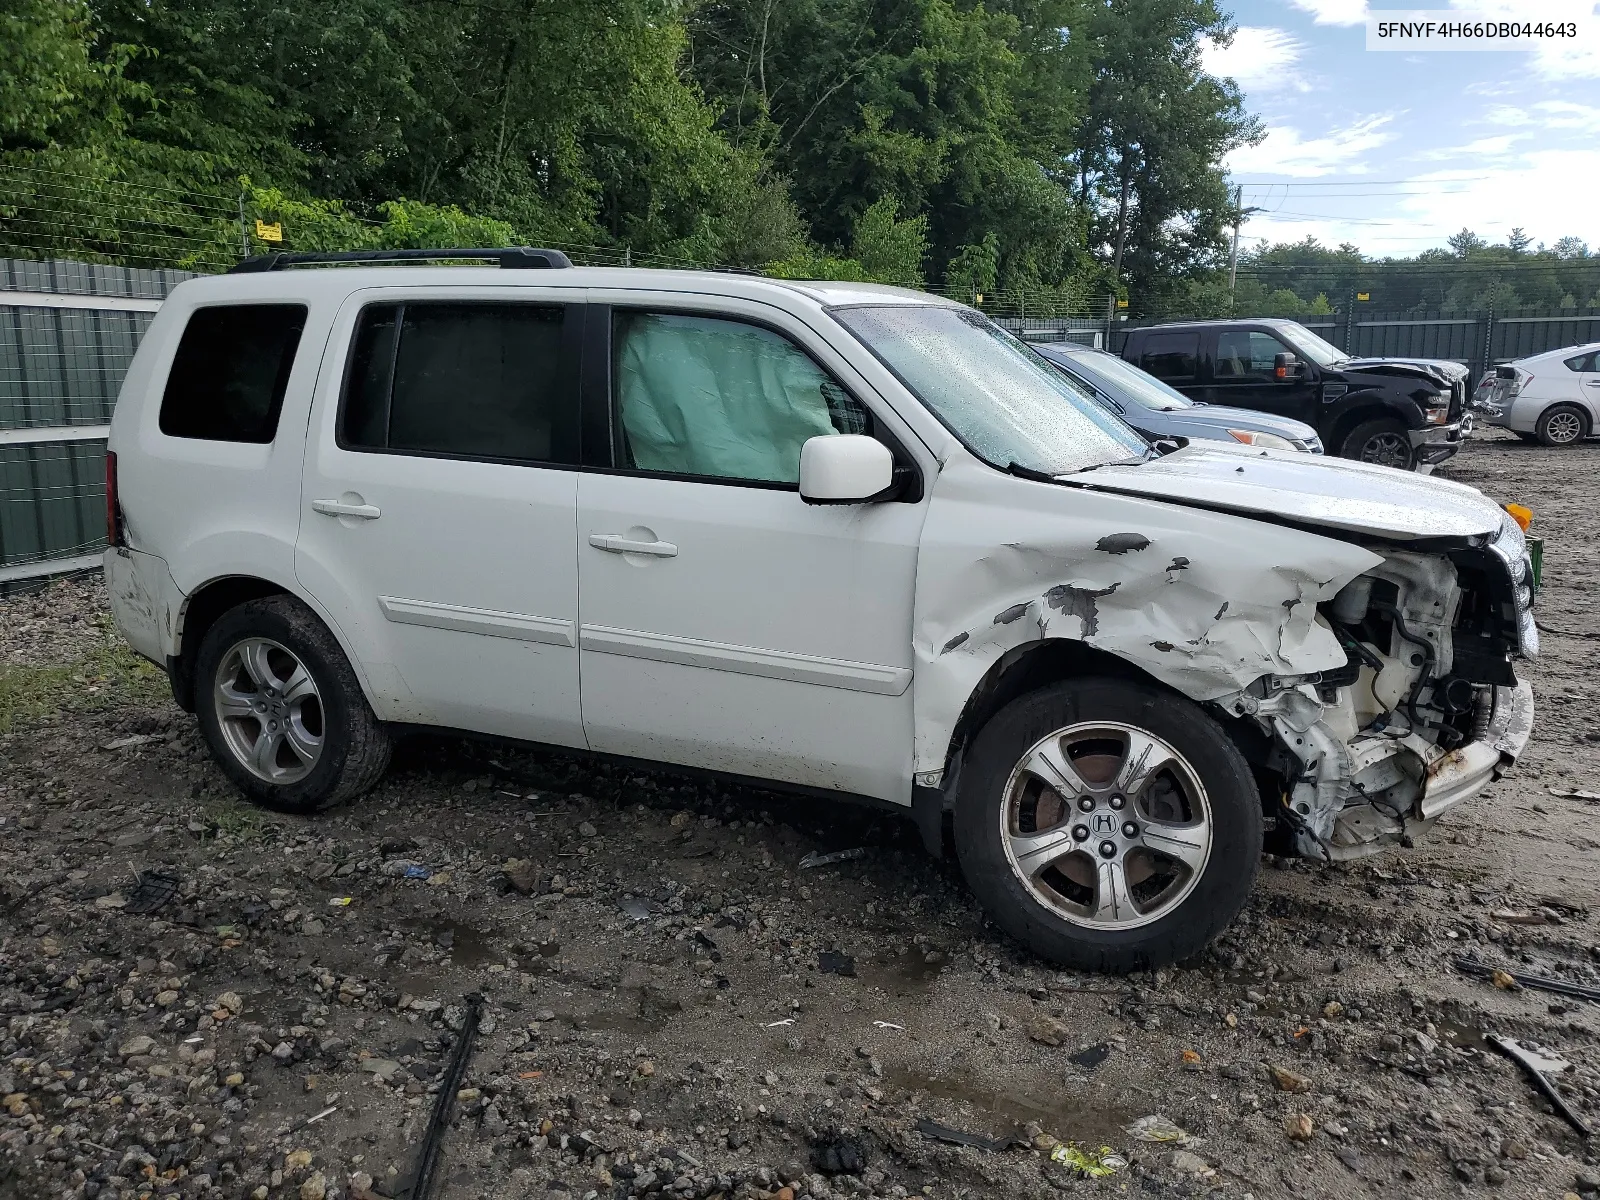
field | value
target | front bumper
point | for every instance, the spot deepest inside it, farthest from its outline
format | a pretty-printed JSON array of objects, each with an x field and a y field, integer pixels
[{"x": 1432, "y": 444}]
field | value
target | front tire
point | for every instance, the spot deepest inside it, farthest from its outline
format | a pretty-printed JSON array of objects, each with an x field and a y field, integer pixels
[
  {"x": 282, "y": 709},
  {"x": 1107, "y": 825},
  {"x": 1561, "y": 425},
  {"x": 1384, "y": 442}
]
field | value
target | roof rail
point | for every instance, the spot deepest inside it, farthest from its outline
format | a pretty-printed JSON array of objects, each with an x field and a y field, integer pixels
[{"x": 508, "y": 257}]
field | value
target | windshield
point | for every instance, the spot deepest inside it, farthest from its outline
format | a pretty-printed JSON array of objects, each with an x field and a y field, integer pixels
[
  {"x": 1124, "y": 381},
  {"x": 999, "y": 397},
  {"x": 1324, "y": 354}
]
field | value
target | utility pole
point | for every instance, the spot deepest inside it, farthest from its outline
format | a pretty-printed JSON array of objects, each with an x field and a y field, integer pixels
[{"x": 1240, "y": 212}]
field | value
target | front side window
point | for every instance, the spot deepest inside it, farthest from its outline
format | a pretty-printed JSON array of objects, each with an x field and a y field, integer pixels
[
  {"x": 231, "y": 371},
  {"x": 461, "y": 380},
  {"x": 1001, "y": 398},
  {"x": 1171, "y": 355},
  {"x": 719, "y": 398},
  {"x": 1248, "y": 355}
]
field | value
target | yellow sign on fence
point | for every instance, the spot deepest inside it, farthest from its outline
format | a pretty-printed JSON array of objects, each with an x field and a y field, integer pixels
[
  {"x": 269, "y": 233},
  {"x": 1363, "y": 295}
]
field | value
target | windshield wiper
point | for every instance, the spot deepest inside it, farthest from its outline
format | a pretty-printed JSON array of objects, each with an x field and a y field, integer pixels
[{"x": 1021, "y": 472}]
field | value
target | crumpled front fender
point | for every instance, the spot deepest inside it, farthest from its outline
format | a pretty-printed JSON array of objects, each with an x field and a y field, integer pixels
[{"x": 1203, "y": 601}]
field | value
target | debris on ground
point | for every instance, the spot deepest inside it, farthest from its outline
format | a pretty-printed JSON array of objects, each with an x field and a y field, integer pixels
[
  {"x": 425, "y": 1171},
  {"x": 1089, "y": 1163},
  {"x": 814, "y": 859},
  {"x": 1539, "y": 1064},
  {"x": 1507, "y": 979},
  {"x": 933, "y": 1130},
  {"x": 1157, "y": 1128},
  {"x": 1574, "y": 793},
  {"x": 153, "y": 890}
]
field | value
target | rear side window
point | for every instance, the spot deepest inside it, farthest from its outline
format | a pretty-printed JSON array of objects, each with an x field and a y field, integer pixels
[
  {"x": 1170, "y": 355},
  {"x": 230, "y": 372},
  {"x": 461, "y": 381},
  {"x": 1584, "y": 362}
]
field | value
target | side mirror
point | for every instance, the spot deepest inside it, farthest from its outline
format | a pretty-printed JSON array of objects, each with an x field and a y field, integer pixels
[
  {"x": 846, "y": 468},
  {"x": 1287, "y": 366}
]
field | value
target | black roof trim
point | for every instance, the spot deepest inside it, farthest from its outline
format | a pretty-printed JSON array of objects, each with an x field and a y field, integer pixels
[{"x": 508, "y": 257}]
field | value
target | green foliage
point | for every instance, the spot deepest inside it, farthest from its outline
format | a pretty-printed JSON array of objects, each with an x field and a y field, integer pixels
[
  {"x": 401, "y": 224},
  {"x": 890, "y": 250},
  {"x": 1042, "y": 147}
]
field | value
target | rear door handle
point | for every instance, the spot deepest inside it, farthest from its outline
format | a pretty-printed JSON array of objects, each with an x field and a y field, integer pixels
[
  {"x": 337, "y": 508},
  {"x": 1594, "y": 383},
  {"x": 615, "y": 543}
]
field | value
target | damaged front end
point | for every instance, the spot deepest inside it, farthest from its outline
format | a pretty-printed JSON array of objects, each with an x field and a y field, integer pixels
[{"x": 1427, "y": 709}]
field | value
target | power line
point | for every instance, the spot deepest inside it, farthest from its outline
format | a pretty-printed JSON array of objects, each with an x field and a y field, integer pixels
[{"x": 1370, "y": 182}]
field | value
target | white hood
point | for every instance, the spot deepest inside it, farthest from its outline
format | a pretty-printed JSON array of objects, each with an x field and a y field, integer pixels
[{"x": 1305, "y": 488}]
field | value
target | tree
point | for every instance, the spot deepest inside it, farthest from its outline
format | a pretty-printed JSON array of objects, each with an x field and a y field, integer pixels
[
  {"x": 1519, "y": 241},
  {"x": 1154, "y": 136},
  {"x": 1465, "y": 242}
]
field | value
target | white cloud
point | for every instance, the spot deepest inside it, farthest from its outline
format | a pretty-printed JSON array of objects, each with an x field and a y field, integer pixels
[
  {"x": 1334, "y": 12},
  {"x": 1548, "y": 115},
  {"x": 1489, "y": 147},
  {"x": 1553, "y": 58},
  {"x": 1258, "y": 58},
  {"x": 1284, "y": 152},
  {"x": 1549, "y": 193}
]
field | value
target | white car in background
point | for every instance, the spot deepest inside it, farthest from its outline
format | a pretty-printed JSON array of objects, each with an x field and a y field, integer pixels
[{"x": 1553, "y": 397}]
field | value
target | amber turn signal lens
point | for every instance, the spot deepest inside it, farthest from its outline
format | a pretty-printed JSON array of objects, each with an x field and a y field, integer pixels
[{"x": 1521, "y": 514}]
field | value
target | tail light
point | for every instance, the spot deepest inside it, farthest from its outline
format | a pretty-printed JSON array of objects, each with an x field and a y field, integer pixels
[{"x": 113, "y": 509}]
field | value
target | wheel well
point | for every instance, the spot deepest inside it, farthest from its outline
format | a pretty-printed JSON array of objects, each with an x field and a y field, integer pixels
[
  {"x": 200, "y": 612},
  {"x": 1026, "y": 669},
  {"x": 1345, "y": 424}
]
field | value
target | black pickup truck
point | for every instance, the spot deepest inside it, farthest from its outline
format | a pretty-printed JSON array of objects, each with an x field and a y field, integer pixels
[{"x": 1402, "y": 413}]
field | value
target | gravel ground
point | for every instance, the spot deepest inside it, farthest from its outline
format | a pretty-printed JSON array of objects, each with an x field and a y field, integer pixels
[{"x": 671, "y": 1006}]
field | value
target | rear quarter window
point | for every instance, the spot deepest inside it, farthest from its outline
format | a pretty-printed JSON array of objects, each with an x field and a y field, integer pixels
[
  {"x": 231, "y": 371},
  {"x": 1170, "y": 355}
]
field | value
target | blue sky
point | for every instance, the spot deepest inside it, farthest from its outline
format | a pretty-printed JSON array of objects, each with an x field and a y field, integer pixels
[{"x": 1396, "y": 151}]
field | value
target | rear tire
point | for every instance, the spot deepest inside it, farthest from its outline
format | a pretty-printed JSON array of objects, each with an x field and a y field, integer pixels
[
  {"x": 1561, "y": 425},
  {"x": 282, "y": 710},
  {"x": 1107, "y": 825},
  {"x": 1384, "y": 442}
]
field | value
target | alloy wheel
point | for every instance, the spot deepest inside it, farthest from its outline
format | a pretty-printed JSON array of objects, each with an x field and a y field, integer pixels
[
  {"x": 1387, "y": 449},
  {"x": 269, "y": 710},
  {"x": 1106, "y": 824},
  {"x": 1563, "y": 427}
]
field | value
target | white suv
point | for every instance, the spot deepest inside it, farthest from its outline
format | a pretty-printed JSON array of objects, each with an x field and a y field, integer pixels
[{"x": 833, "y": 537}]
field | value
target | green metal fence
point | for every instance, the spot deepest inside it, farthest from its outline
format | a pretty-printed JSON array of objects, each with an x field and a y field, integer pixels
[{"x": 68, "y": 331}]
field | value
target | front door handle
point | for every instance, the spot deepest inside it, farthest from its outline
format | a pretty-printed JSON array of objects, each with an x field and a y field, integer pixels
[
  {"x": 615, "y": 543},
  {"x": 338, "y": 508}
]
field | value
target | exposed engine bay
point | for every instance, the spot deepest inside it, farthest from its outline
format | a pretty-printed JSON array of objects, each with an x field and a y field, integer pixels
[{"x": 1427, "y": 708}]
